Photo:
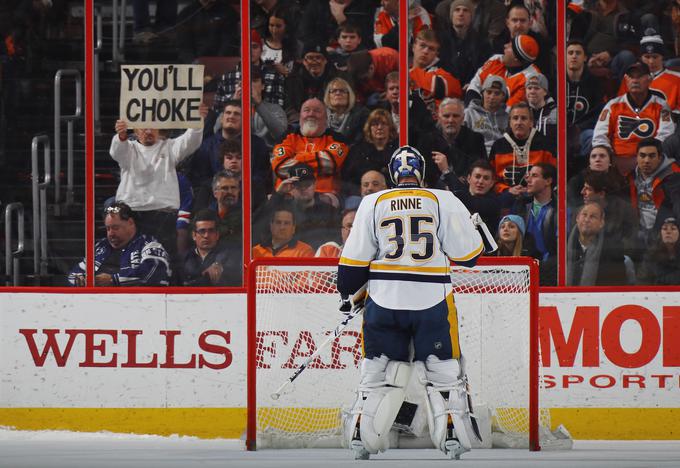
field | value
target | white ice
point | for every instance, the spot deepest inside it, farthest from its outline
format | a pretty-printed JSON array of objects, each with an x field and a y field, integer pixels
[{"x": 61, "y": 449}]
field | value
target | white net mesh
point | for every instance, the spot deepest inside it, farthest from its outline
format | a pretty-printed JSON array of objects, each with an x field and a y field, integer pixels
[{"x": 297, "y": 308}]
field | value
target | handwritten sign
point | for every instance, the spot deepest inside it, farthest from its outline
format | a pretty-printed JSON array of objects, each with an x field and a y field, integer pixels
[{"x": 161, "y": 96}]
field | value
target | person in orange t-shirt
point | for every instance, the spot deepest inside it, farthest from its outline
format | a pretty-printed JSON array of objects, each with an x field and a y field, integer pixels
[
  {"x": 331, "y": 249},
  {"x": 282, "y": 242},
  {"x": 430, "y": 81}
]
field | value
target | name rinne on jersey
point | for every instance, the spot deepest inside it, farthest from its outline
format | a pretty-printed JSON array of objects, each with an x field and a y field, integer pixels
[{"x": 399, "y": 204}]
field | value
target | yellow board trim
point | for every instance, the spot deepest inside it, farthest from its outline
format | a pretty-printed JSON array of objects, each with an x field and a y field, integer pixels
[
  {"x": 406, "y": 193},
  {"x": 619, "y": 423},
  {"x": 230, "y": 423},
  {"x": 208, "y": 423},
  {"x": 388, "y": 267}
]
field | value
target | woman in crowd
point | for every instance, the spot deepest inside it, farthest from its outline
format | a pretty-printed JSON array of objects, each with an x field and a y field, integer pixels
[
  {"x": 511, "y": 237},
  {"x": 600, "y": 160},
  {"x": 373, "y": 152},
  {"x": 280, "y": 48},
  {"x": 661, "y": 264},
  {"x": 345, "y": 116}
]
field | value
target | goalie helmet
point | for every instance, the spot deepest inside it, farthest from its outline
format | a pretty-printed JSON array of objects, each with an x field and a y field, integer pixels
[{"x": 407, "y": 161}]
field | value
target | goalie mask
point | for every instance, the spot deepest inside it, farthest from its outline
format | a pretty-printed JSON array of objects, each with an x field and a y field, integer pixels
[{"x": 407, "y": 161}]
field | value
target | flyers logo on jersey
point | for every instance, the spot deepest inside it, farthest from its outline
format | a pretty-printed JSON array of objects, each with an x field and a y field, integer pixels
[
  {"x": 515, "y": 175},
  {"x": 642, "y": 128}
]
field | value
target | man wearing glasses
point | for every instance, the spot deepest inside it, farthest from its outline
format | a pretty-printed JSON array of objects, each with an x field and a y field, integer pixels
[
  {"x": 125, "y": 257},
  {"x": 208, "y": 264}
]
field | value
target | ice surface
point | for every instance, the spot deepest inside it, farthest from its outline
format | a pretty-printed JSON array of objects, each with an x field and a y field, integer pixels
[{"x": 61, "y": 449}]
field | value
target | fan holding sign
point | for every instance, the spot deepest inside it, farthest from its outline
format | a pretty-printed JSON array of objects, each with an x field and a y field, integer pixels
[{"x": 148, "y": 178}]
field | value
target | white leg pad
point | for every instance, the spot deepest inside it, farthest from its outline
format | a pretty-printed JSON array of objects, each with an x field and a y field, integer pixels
[
  {"x": 379, "y": 397},
  {"x": 448, "y": 398}
]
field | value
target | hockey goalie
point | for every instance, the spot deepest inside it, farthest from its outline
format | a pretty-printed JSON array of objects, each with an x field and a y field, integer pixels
[{"x": 401, "y": 245}]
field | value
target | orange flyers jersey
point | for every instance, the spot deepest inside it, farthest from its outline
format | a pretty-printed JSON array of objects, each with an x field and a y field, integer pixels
[
  {"x": 424, "y": 80},
  {"x": 621, "y": 125},
  {"x": 510, "y": 170},
  {"x": 384, "y": 23},
  {"x": 667, "y": 84},
  {"x": 325, "y": 154},
  {"x": 292, "y": 249},
  {"x": 515, "y": 82},
  {"x": 329, "y": 250}
]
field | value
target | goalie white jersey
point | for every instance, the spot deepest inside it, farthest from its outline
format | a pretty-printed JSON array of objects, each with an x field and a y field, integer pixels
[{"x": 402, "y": 241}]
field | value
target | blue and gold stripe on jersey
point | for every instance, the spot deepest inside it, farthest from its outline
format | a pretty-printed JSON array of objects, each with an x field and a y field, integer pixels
[
  {"x": 470, "y": 259},
  {"x": 419, "y": 274},
  {"x": 399, "y": 193},
  {"x": 352, "y": 275}
]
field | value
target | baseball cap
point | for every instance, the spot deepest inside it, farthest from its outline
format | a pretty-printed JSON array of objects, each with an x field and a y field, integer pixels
[
  {"x": 525, "y": 47},
  {"x": 637, "y": 66},
  {"x": 537, "y": 79},
  {"x": 302, "y": 171},
  {"x": 495, "y": 82},
  {"x": 314, "y": 47}
]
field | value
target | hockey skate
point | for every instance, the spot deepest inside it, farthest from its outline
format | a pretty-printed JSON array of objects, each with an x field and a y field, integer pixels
[
  {"x": 357, "y": 446},
  {"x": 360, "y": 453},
  {"x": 452, "y": 446},
  {"x": 453, "y": 449}
]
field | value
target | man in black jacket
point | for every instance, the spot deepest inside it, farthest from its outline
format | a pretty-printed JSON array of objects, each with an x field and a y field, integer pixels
[
  {"x": 320, "y": 20},
  {"x": 309, "y": 80},
  {"x": 540, "y": 217},
  {"x": 463, "y": 49},
  {"x": 477, "y": 193},
  {"x": 209, "y": 263},
  {"x": 585, "y": 100},
  {"x": 591, "y": 261},
  {"x": 317, "y": 220},
  {"x": 451, "y": 142}
]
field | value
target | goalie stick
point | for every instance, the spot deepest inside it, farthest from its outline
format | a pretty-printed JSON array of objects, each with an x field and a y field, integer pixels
[
  {"x": 490, "y": 245},
  {"x": 351, "y": 308}
]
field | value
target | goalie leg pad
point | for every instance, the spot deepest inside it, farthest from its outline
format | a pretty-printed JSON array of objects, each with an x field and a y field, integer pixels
[
  {"x": 450, "y": 407},
  {"x": 379, "y": 398}
]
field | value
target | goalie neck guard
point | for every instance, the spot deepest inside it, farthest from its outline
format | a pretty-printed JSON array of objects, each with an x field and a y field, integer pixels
[{"x": 407, "y": 161}]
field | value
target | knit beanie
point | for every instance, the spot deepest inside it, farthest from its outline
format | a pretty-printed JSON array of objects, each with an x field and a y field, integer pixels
[{"x": 525, "y": 48}]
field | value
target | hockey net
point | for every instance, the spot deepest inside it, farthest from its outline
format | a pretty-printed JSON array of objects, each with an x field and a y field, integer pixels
[{"x": 294, "y": 307}]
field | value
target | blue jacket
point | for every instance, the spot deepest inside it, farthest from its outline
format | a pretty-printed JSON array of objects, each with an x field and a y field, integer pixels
[{"x": 143, "y": 262}]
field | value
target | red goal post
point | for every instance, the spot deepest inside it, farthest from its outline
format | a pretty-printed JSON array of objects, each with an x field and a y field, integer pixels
[{"x": 296, "y": 297}]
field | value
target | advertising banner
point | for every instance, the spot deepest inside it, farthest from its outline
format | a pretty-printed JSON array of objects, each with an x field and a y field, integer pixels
[
  {"x": 611, "y": 349},
  {"x": 616, "y": 350}
]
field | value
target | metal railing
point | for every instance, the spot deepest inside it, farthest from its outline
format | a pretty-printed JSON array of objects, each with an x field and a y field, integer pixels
[
  {"x": 97, "y": 51},
  {"x": 12, "y": 268},
  {"x": 118, "y": 28},
  {"x": 39, "y": 195},
  {"x": 69, "y": 118}
]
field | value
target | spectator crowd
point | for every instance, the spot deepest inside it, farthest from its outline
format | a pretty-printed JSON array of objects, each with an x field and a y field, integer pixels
[{"x": 482, "y": 111}]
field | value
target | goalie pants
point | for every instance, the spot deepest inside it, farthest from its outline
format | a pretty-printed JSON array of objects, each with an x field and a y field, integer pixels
[{"x": 434, "y": 331}]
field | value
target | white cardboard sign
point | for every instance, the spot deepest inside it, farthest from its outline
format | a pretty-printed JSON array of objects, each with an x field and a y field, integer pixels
[{"x": 161, "y": 96}]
